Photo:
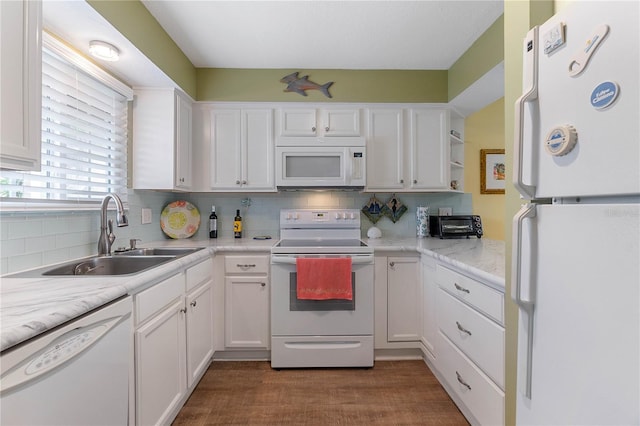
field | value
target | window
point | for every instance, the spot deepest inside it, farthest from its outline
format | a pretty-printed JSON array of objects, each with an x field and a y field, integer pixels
[{"x": 84, "y": 136}]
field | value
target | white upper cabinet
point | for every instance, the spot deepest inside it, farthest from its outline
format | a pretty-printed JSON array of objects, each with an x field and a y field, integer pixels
[
  {"x": 319, "y": 122},
  {"x": 20, "y": 84},
  {"x": 385, "y": 150},
  {"x": 429, "y": 150},
  {"x": 162, "y": 135},
  {"x": 241, "y": 150},
  {"x": 408, "y": 150}
]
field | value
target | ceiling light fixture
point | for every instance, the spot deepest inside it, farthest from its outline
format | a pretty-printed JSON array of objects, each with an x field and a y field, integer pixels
[{"x": 103, "y": 50}]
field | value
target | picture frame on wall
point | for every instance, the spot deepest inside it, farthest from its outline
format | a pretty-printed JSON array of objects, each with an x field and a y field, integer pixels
[{"x": 492, "y": 171}]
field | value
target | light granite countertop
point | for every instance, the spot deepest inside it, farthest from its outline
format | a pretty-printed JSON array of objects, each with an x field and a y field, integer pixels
[{"x": 31, "y": 306}]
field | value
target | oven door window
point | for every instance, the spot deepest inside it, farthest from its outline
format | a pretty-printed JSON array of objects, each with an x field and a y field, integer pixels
[{"x": 296, "y": 304}]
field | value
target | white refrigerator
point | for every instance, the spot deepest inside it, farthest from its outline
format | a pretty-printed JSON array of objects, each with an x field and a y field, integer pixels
[{"x": 576, "y": 257}]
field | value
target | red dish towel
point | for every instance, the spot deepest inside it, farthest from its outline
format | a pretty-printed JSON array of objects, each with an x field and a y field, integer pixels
[{"x": 324, "y": 278}]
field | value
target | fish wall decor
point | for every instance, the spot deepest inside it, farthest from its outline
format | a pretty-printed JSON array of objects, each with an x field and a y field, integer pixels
[{"x": 302, "y": 84}]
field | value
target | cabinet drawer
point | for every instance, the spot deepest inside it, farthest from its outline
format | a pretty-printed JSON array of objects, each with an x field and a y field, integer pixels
[
  {"x": 478, "y": 393},
  {"x": 472, "y": 292},
  {"x": 150, "y": 301},
  {"x": 199, "y": 273},
  {"x": 478, "y": 337},
  {"x": 246, "y": 264}
]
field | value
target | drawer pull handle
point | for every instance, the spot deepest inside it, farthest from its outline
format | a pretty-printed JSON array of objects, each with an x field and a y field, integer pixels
[
  {"x": 462, "y": 382},
  {"x": 246, "y": 265},
  {"x": 183, "y": 310},
  {"x": 194, "y": 303},
  {"x": 461, "y": 328},
  {"x": 462, "y": 289}
]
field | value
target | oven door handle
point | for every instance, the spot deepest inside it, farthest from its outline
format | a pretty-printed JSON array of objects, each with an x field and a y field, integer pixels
[{"x": 291, "y": 260}]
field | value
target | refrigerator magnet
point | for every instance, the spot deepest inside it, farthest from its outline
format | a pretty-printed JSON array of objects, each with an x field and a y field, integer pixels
[{"x": 604, "y": 94}]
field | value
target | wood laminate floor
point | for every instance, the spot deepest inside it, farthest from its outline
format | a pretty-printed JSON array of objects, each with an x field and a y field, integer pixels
[{"x": 251, "y": 393}]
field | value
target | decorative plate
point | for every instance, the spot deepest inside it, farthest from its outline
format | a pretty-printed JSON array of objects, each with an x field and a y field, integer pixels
[
  {"x": 180, "y": 219},
  {"x": 394, "y": 209},
  {"x": 374, "y": 209}
]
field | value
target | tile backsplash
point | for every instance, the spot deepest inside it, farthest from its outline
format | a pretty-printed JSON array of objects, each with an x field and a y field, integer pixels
[{"x": 31, "y": 239}]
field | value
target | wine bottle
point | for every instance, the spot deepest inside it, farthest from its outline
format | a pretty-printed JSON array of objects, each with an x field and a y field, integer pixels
[
  {"x": 237, "y": 225},
  {"x": 213, "y": 223}
]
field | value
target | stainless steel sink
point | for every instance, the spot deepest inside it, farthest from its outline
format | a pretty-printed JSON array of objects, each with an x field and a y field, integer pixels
[
  {"x": 112, "y": 265},
  {"x": 125, "y": 263},
  {"x": 159, "y": 251}
]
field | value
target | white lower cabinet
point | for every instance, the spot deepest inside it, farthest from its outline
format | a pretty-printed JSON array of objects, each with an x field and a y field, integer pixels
[
  {"x": 173, "y": 342},
  {"x": 429, "y": 322},
  {"x": 398, "y": 307},
  {"x": 470, "y": 344},
  {"x": 246, "y": 302}
]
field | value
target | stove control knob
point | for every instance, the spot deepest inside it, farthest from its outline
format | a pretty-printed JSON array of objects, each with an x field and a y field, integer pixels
[
  {"x": 352, "y": 216},
  {"x": 296, "y": 216},
  {"x": 338, "y": 216},
  {"x": 288, "y": 216}
]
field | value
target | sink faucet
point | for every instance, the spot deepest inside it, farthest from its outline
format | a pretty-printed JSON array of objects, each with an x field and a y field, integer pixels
[{"x": 107, "y": 239}]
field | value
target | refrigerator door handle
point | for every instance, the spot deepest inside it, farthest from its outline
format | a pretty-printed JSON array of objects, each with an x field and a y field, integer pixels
[
  {"x": 528, "y": 211},
  {"x": 530, "y": 88}
]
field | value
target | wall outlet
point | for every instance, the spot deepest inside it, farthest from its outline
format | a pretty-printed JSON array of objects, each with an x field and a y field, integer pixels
[
  {"x": 445, "y": 211},
  {"x": 146, "y": 216}
]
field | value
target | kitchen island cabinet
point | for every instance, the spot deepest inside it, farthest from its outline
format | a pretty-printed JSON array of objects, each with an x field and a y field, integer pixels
[
  {"x": 162, "y": 139},
  {"x": 21, "y": 84}
]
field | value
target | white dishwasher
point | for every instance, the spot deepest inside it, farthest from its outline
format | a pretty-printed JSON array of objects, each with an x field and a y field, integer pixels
[{"x": 76, "y": 374}]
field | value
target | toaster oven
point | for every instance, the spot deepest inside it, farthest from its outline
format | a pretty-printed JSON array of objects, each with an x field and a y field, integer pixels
[{"x": 455, "y": 226}]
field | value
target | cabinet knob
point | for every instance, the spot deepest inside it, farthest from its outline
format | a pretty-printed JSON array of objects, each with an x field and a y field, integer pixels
[
  {"x": 183, "y": 310},
  {"x": 263, "y": 284},
  {"x": 415, "y": 181},
  {"x": 237, "y": 182},
  {"x": 194, "y": 303},
  {"x": 313, "y": 129},
  {"x": 326, "y": 129},
  {"x": 392, "y": 264},
  {"x": 244, "y": 182}
]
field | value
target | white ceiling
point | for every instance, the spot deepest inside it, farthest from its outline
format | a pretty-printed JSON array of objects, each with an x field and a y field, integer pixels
[{"x": 325, "y": 34}]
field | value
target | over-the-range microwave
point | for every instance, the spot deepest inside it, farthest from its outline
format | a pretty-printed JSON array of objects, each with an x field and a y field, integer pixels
[{"x": 321, "y": 162}]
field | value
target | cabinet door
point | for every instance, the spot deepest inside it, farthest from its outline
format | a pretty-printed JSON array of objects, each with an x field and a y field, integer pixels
[
  {"x": 430, "y": 166},
  {"x": 246, "y": 312},
  {"x": 160, "y": 365},
  {"x": 429, "y": 289},
  {"x": 385, "y": 150},
  {"x": 199, "y": 331},
  {"x": 183, "y": 143},
  {"x": 340, "y": 122},
  {"x": 21, "y": 84},
  {"x": 226, "y": 150},
  {"x": 298, "y": 122},
  {"x": 403, "y": 299},
  {"x": 258, "y": 150}
]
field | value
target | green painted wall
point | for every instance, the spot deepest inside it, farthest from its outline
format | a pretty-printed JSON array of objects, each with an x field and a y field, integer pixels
[
  {"x": 483, "y": 55},
  {"x": 519, "y": 17},
  {"x": 216, "y": 84},
  {"x": 134, "y": 21}
]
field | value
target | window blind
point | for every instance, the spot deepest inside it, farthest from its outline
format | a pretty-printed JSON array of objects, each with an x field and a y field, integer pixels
[{"x": 84, "y": 136}]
